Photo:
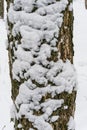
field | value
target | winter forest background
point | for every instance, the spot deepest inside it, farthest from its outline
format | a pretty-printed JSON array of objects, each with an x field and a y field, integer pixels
[{"x": 80, "y": 62}]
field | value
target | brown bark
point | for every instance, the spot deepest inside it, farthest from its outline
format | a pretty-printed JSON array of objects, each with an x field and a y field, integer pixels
[
  {"x": 86, "y": 4},
  {"x": 65, "y": 47},
  {"x": 1, "y": 8},
  {"x": 65, "y": 42}
]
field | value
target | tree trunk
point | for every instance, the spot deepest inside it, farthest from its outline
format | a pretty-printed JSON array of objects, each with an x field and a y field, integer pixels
[
  {"x": 1, "y": 8},
  {"x": 86, "y": 4},
  {"x": 43, "y": 94}
]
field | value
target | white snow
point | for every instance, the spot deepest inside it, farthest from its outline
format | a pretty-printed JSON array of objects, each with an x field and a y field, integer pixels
[
  {"x": 80, "y": 59},
  {"x": 38, "y": 33},
  {"x": 5, "y": 85},
  {"x": 71, "y": 124}
]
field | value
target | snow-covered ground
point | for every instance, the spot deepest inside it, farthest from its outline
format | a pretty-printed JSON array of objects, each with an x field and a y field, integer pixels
[
  {"x": 80, "y": 61},
  {"x": 5, "y": 86},
  {"x": 80, "y": 41}
]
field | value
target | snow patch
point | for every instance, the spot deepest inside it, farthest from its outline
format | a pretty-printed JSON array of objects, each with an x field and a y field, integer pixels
[
  {"x": 71, "y": 124},
  {"x": 37, "y": 24}
]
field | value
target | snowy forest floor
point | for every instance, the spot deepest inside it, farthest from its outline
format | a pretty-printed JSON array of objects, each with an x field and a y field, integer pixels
[
  {"x": 5, "y": 86},
  {"x": 80, "y": 61}
]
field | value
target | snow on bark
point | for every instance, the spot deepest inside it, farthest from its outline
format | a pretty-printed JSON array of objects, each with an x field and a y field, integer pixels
[
  {"x": 71, "y": 124},
  {"x": 38, "y": 22}
]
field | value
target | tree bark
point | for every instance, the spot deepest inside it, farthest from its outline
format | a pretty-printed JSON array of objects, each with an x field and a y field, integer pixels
[
  {"x": 65, "y": 50},
  {"x": 86, "y": 4},
  {"x": 1, "y": 8},
  {"x": 65, "y": 46}
]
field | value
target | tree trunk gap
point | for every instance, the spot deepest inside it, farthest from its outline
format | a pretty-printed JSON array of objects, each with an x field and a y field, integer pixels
[{"x": 65, "y": 52}]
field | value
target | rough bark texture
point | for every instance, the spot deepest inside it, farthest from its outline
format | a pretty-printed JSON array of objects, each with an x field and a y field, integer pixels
[
  {"x": 65, "y": 43},
  {"x": 1, "y": 8},
  {"x": 86, "y": 4},
  {"x": 65, "y": 47}
]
